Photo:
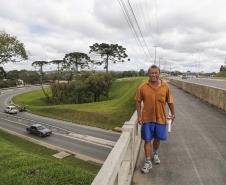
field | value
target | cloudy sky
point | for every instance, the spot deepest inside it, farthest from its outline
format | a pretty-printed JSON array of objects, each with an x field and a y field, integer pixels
[{"x": 190, "y": 35}]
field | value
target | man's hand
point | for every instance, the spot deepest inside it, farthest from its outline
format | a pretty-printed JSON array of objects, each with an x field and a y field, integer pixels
[
  {"x": 171, "y": 118},
  {"x": 171, "y": 107},
  {"x": 140, "y": 120}
]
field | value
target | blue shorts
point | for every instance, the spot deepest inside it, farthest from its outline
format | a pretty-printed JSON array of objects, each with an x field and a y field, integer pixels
[{"x": 153, "y": 130}]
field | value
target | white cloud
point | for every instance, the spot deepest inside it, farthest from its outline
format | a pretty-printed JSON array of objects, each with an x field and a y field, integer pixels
[{"x": 50, "y": 29}]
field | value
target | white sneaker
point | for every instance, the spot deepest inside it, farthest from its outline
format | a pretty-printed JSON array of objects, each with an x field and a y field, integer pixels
[
  {"x": 146, "y": 167},
  {"x": 156, "y": 159}
]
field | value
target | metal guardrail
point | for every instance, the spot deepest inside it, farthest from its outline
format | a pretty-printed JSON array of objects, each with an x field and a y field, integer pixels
[
  {"x": 57, "y": 129},
  {"x": 54, "y": 128},
  {"x": 119, "y": 167},
  {"x": 29, "y": 122},
  {"x": 60, "y": 130}
]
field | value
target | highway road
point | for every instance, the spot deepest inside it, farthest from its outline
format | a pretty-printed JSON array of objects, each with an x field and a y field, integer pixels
[
  {"x": 82, "y": 149},
  {"x": 77, "y": 128},
  {"x": 219, "y": 83}
]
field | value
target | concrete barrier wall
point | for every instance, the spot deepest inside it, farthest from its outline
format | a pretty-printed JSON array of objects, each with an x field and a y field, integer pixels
[
  {"x": 119, "y": 166},
  {"x": 212, "y": 95}
]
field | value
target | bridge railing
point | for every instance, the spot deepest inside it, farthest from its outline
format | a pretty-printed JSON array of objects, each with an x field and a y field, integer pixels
[{"x": 119, "y": 166}]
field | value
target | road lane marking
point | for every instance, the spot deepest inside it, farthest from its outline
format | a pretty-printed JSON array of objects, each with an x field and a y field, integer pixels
[
  {"x": 214, "y": 149},
  {"x": 52, "y": 119},
  {"x": 64, "y": 121},
  {"x": 92, "y": 159},
  {"x": 5, "y": 102},
  {"x": 189, "y": 154},
  {"x": 93, "y": 143}
]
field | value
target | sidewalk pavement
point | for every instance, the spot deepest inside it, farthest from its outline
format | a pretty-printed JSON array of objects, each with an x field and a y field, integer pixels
[{"x": 195, "y": 152}]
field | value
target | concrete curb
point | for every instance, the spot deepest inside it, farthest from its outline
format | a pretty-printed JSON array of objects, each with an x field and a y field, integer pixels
[{"x": 93, "y": 139}]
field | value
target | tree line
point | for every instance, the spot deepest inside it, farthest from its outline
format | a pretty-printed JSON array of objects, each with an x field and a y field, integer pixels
[
  {"x": 12, "y": 50},
  {"x": 11, "y": 78},
  {"x": 222, "y": 68},
  {"x": 82, "y": 86}
]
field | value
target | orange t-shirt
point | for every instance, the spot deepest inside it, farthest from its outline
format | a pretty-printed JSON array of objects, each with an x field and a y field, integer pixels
[{"x": 154, "y": 102}]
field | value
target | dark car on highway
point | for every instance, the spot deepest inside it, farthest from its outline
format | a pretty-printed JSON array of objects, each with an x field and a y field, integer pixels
[
  {"x": 184, "y": 77},
  {"x": 39, "y": 130}
]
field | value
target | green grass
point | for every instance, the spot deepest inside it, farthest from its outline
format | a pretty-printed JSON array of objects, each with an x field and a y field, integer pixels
[
  {"x": 106, "y": 114},
  {"x": 24, "y": 162},
  {"x": 221, "y": 74}
]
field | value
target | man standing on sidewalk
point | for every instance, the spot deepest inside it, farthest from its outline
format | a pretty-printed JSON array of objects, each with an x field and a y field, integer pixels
[{"x": 154, "y": 93}]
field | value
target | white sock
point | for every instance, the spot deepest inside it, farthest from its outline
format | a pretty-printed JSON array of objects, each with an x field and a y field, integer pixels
[{"x": 148, "y": 160}]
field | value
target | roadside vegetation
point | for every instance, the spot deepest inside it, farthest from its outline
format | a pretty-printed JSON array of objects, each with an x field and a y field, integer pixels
[
  {"x": 106, "y": 113},
  {"x": 221, "y": 74},
  {"x": 24, "y": 162}
]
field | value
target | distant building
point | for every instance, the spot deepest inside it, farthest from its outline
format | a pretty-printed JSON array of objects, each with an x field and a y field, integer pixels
[{"x": 164, "y": 75}]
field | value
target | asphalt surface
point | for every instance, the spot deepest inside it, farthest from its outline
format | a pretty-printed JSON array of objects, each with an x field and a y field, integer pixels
[
  {"x": 195, "y": 152},
  {"x": 219, "y": 83},
  {"x": 85, "y": 150},
  {"x": 81, "y": 149},
  {"x": 77, "y": 128}
]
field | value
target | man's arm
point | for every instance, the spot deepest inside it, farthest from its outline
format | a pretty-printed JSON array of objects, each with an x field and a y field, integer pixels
[
  {"x": 140, "y": 119},
  {"x": 171, "y": 107}
]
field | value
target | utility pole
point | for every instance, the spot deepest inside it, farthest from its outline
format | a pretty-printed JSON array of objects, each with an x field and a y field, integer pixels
[
  {"x": 199, "y": 61},
  {"x": 199, "y": 65},
  {"x": 165, "y": 67},
  {"x": 155, "y": 54},
  {"x": 170, "y": 70},
  {"x": 159, "y": 62},
  {"x": 137, "y": 72},
  {"x": 195, "y": 65}
]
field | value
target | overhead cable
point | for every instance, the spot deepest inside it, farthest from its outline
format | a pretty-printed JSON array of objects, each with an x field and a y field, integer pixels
[{"x": 132, "y": 26}]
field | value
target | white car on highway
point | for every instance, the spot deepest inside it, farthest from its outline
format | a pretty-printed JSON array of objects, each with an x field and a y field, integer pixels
[{"x": 11, "y": 109}]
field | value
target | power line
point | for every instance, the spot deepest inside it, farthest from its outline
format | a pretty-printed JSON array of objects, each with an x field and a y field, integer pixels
[
  {"x": 128, "y": 19},
  {"x": 148, "y": 19},
  {"x": 143, "y": 18},
  {"x": 132, "y": 26},
  {"x": 139, "y": 27},
  {"x": 140, "y": 18},
  {"x": 143, "y": 22},
  {"x": 157, "y": 21}
]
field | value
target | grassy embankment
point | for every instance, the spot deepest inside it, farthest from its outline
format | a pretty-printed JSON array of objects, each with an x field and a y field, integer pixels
[
  {"x": 221, "y": 74},
  {"x": 24, "y": 162},
  {"x": 106, "y": 114}
]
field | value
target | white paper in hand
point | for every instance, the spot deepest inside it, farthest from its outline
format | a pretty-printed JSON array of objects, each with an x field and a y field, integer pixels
[{"x": 169, "y": 121}]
